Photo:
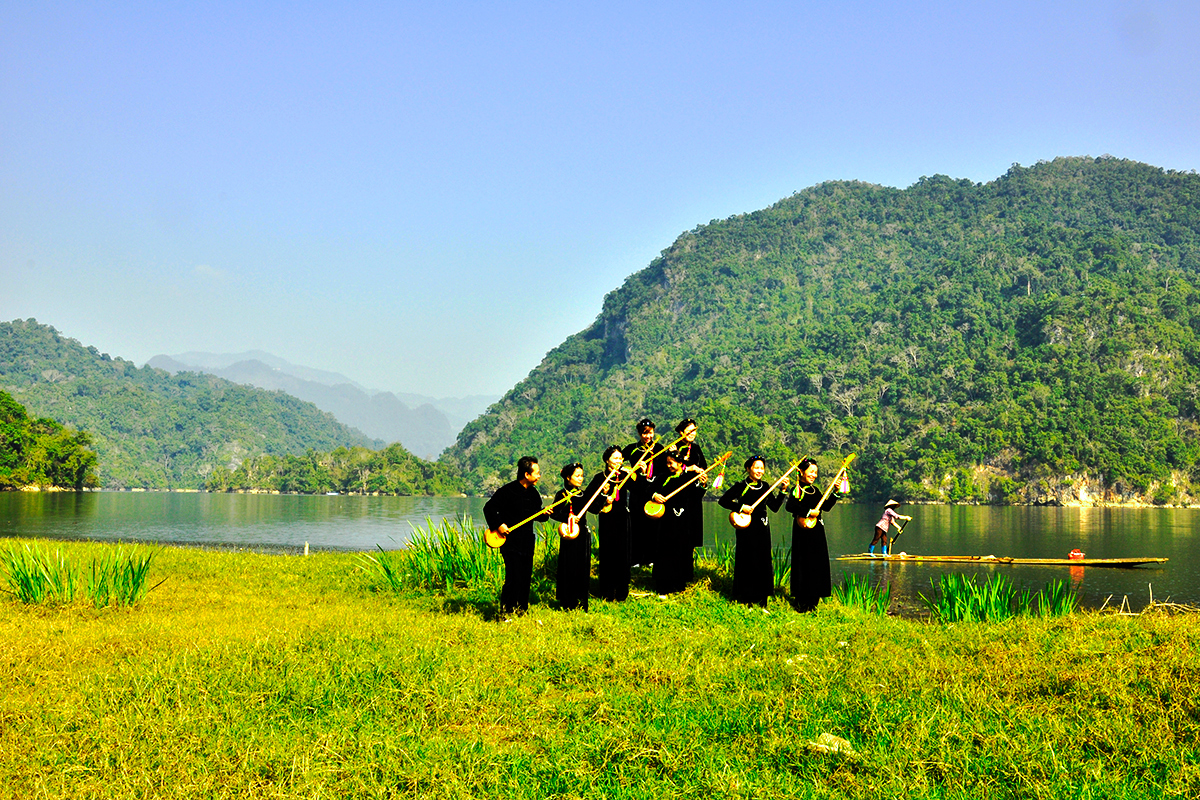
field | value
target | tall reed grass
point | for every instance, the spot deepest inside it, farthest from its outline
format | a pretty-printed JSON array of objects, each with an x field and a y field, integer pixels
[
  {"x": 963, "y": 598},
  {"x": 718, "y": 558},
  {"x": 857, "y": 591},
  {"x": 439, "y": 556},
  {"x": 116, "y": 578},
  {"x": 119, "y": 579},
  {"x": 781, "y": 566},
  {"x": 453, "y": 554},
  {"x": 40, "y": 576}
]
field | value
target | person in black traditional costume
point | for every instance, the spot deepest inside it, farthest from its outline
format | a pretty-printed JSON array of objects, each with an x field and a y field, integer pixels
[
  {"x": 574, "y": 552},
  {"x": 673, "y": 561},
  {"x": 612, "y": 508},
  {"x": 753, "y": 572},
  {"x": 810, "y": 550},
  {"x": 692, "y": 456},
  {"x": 512, "y": 503},
  {"x": 643, "y": 529}
]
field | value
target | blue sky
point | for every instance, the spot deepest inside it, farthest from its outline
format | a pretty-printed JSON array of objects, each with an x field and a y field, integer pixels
[{"x": 428, "y": 197}]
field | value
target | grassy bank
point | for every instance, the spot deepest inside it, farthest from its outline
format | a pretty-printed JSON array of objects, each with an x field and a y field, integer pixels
[{"x": 287, "y": 676}]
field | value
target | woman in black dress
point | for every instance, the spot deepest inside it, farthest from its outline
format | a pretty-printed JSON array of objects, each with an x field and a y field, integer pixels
[
  {"x": 673, "y": 561},
  {"x": 574, "y": 554},
  {"x": 612, "y": 507},
  {"x": 810, "y": 551},
  {"x": 753, "y": 572},
  {"x": 692, "y": 456}
]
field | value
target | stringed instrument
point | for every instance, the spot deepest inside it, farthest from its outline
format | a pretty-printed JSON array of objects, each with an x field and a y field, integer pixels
[
  {"x": 495, "y": 538},
  {"x": 642, "y": 462},
  {"x": 814, "y": 514},
  {"x": 656, "y": 510},
  {"x": 740, "y": 520},
  {"x": 570, "y": 528}
]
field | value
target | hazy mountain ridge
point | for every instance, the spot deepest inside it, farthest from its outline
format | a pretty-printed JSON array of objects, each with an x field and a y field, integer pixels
[
  {"x": 151, "y": 429},
  {"x": 1031, "y": 339},
  {"x": 423, "y": 425}
]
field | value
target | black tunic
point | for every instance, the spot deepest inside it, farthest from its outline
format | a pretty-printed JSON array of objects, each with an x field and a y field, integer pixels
[
  {"x": 613, "y": 533},
  {"x": 512, "y": 503},
  {"x": 692, "y": 455},
  {"x": 753, "y": 572},
  {"x": 810, "y": 551},
  {"x": 643, "y": 530},
  {"x": 673, "y": 561},
  {"x": 574, "y": 555}
]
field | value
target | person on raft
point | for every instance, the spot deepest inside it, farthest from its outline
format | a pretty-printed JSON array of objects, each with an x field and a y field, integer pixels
[{"x": 890, "y": 515}]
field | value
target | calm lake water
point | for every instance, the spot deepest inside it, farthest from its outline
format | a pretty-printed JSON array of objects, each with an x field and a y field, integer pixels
[{"x": 283, "y": 523}]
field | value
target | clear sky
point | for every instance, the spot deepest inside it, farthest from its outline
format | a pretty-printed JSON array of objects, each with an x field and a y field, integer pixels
[{"x": 427, "y": 197}]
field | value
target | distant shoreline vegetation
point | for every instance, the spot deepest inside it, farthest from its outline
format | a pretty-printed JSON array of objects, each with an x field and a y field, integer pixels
[
  {"x": 359, "y": 470},
  {"x": 41, "y": 453}
]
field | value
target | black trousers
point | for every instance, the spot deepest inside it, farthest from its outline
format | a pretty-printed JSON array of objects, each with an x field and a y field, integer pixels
[{"x": 518, "y": 573}]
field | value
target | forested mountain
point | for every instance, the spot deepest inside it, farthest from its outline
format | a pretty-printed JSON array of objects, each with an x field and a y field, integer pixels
[
  {"x": 151, "y": 429},
  {"x": 423, "y": 429},
  {"x": 41, "y": 452},
  {"x": 1031, "y": 339}
]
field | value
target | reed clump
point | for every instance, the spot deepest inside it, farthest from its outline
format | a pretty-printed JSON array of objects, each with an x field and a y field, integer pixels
[
  {"x": 453, "y": 555},
  {"x": 964, "y": 598},
  {"x": 718, "y": 558},
  {"x": 37, "y": 575},
  {"x": 439, "y": 556},
  {"x": 857, "y": 591}
]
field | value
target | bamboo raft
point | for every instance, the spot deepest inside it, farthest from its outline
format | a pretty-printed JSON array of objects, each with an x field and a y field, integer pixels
[{"x": 1044, "y": 562}]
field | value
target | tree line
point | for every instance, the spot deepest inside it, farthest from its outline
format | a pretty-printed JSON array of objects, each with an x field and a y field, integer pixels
[
  {"x": 40, "y": 452},
  {"x": 392, "y": 470}
]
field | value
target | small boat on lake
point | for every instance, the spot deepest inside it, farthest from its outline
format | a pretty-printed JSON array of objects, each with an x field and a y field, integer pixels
[{"x": 1043, "y": 562}]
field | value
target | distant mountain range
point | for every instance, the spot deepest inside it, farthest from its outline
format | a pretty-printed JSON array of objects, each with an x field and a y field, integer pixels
[
  {"x": 153, "y": 430},
  {"x": 424, "y": 425}
]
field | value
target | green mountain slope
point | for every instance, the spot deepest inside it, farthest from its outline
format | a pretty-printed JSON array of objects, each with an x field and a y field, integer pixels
[
  {"x": 1032, "y": 339},
  {"x": 151, "y": 429}
]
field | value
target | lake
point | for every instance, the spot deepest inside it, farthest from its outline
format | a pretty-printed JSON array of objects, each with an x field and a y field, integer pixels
[{"x": 284, "y": 523}]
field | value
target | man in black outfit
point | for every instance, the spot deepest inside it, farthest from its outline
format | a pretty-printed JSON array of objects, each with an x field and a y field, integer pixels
[{"x": 512, "y": 503}]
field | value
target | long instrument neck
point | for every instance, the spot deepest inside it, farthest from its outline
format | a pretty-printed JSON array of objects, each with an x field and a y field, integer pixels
[
  {"x": 639, "y": 464},
  {"x": 666, "y": 448},
  {"x": 696, "y": 477},
  {"x": 837, "y": 477},
  {"x": 774, "y": 486},
  {"x": 599, "y": 489},
  {"x": 540, "y": 512}
]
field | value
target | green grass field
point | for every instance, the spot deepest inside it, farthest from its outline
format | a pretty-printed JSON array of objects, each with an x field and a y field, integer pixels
[{"x": 246, "y": 675}]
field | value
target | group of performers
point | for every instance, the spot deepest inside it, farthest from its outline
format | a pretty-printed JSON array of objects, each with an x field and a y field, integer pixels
[{"x": 671, "y": 481}]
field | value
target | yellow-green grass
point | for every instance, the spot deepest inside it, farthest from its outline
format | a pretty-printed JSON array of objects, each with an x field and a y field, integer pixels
[{"x": 290, "y": 676}]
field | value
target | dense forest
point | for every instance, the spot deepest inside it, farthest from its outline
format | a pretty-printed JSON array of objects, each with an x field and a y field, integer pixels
[
  {"x": 1031, "y": 339},
  {"x": 151, "y": 429},
  {"x": 392, "y": 470},
  {"x": 41, "y": 452}
]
